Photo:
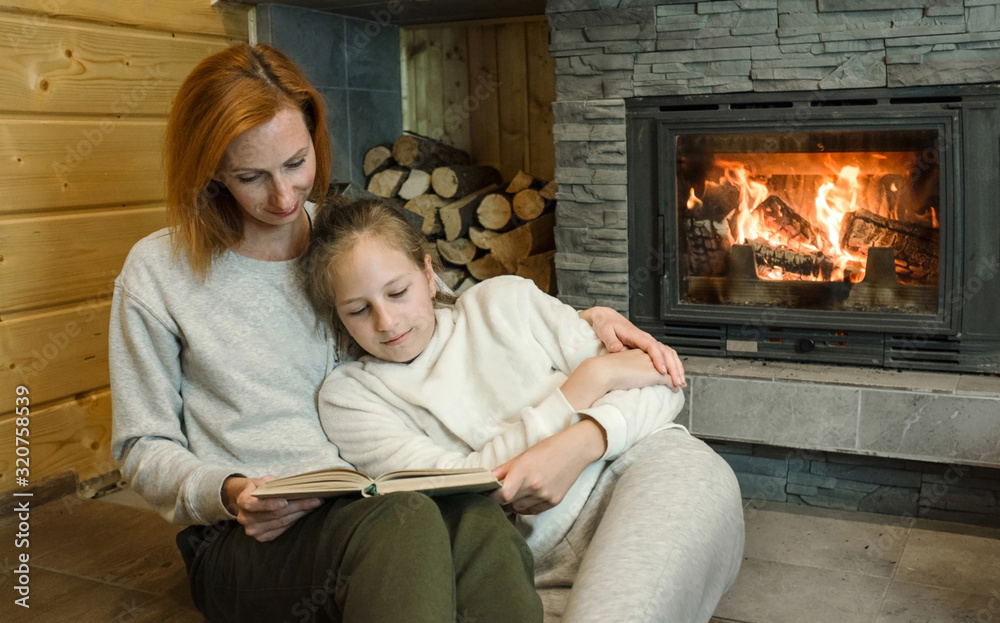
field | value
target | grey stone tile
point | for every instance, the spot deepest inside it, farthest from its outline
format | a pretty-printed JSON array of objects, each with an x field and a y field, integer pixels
[
  {"x": 854, "y": 542},
  {"x": 338, "y": 120},
  {"x": 929, "y": 425},
  {"x": 867, "y": 377},
  {"x": 756, "y": 487},
  {"x": 906, "y": 603},
  {"x": 314, "y": 40},
  {"x": 775, "y": 592},
  {"x": 951, "y": 556},
  {"x": 784, "y": 414},
  {"x": 372, "y": 51},
  {"x": 986, "y": 385},
  {"x": 736, "y": 368},
  {"x": 376, "y": 117}
]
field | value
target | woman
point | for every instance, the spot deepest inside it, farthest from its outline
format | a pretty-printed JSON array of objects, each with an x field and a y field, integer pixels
[
  {"x": 216, "y": 360},
  {"x": 509, "y": 379}
]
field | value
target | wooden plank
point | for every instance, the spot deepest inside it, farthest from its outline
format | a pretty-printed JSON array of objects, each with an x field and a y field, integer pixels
[
  {"x": 420, "y": 63},
  {"x": 92, "y": 69},
  {"x": 173, "y": 16},
  {"x": 541, "y": 94},
  {"x": 50, "y": 260},
  {"x": 67, "y": 163},
  {"x": 455, "y": 87},
  {"x": 407, "y": 79},
  {"x": 74, "y": 435},
  {"x": 513, "y": 95},
  {"x": 434, "y": 93},
  {"x": 484, "y": 117},
  {"x": 57, "y": 353}
]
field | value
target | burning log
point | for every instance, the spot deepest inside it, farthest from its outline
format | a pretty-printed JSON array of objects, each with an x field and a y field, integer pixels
[
  {"x": 779, "y": 217},
  {"x": 788, "y": 261},
  {"x": 915, "y": 246},
  {"x": 707, "y": 247}
]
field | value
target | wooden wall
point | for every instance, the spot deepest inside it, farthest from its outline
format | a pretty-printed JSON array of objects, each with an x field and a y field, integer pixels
[
  {"x": 86, "y": 86},
  {"x": 486, "y": 87}
]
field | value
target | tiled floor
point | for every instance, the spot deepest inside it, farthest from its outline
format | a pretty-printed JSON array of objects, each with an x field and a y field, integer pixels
[{"x": 112, "y": 560}]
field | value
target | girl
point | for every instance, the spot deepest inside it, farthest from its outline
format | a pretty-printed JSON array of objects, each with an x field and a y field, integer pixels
[{"x": 509, "y": 378}]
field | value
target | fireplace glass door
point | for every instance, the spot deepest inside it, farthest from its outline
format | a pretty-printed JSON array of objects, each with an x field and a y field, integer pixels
[{"x": 842, "y": 220}]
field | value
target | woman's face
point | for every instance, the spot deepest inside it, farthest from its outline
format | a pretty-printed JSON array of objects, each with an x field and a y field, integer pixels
[
  {"x": 269, "y": 170},
  {"x": 385, "y": 300}
]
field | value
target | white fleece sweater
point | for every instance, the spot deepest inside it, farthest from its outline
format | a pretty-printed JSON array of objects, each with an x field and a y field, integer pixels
[{"x": 485, "y": 389}]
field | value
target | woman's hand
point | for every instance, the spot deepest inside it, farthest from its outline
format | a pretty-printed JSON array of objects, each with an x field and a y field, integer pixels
[
  {"x": 617, "y": 333},
  {"x": 538, "y": 478},
  {"x": 262, "y": 519}
]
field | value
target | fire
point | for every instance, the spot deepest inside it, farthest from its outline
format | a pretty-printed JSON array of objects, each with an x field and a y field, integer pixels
[{"x": 764, "y": 218}]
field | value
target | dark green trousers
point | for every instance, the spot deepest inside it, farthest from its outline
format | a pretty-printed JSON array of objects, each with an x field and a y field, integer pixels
[{"x": 396, "y": 558}]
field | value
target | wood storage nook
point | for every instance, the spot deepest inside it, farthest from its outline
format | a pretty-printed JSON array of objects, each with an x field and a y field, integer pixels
[{"x": 465, "y": 211}]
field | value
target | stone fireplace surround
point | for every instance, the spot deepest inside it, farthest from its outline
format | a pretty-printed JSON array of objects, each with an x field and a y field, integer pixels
[{"x": 642, "y": 48}]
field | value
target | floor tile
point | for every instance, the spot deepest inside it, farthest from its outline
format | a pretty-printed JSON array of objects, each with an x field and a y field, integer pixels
[
  {"x": 773, "y": 592},
  {"x": 107, "y": 542},
  {"x": 864, "y": 543},
  {"x": 952, "y": 556},
  {"x": 60, "y": 597},
  {"x": 913, "y": 603}
]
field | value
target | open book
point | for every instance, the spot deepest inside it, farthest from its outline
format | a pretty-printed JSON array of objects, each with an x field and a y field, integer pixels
[{"x": 335, "y": 481}]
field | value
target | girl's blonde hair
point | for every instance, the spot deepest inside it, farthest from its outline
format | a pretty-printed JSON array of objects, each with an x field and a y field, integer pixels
[
  {"x": 338, "y": 226},
  {"x": 227, "y": 94}
]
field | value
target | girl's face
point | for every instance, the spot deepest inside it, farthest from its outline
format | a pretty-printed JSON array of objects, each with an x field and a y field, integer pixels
[
  {"x": 385, "y": 300},
  {"x": 269, "y": 170}
]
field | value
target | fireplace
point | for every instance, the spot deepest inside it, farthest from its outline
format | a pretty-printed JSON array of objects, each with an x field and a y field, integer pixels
[{"x": 853, "y": 227}]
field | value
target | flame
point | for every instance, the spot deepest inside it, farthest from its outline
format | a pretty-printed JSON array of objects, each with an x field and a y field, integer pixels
[{"x": 838, "y": 196}]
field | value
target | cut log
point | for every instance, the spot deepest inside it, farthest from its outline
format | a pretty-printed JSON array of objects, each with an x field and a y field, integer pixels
[
  {"x": 521, "y": 181},
  {"x": 495, "y": 211},
  {"x": 780, "y": 218},
  {"x": 459, "y": 215},
  {"x": 426, "y": 154},
  {"x": 549, "y": 190},
  {"x": 428, "y": 207},
  {"x": 540, "y": 269},
  {"x": 387, "y": 183},
  {"x": 482, "y": 238},
  {"x": 790, "y": 262},
  {"x": 916, "y": 246},
  {"x": 458, "y": 252},
  {"x": 533, "y": 237},
  {"x": 465, "y": 285},
  {"x": 452, "y": 276},
  {"x": 377, "y": 158},
  {"x": 529, "y": 204},
  {"x": 453, "y": 182},
  {"x": 486, "y": 267},
  {"x": 716, "y": 202},
  {"x": 707, "y": 247},
  {"x": 416, "y": 184}
]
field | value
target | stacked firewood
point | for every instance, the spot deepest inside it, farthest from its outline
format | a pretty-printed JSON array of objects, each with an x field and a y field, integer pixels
[{"x": 476, "y": 224}]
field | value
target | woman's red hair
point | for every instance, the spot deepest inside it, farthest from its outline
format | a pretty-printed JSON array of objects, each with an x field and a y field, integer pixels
[{"x": 227, "y": 94}]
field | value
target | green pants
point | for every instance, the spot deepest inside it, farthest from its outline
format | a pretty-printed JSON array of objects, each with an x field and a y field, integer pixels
[{"x": 396, "y": 558}]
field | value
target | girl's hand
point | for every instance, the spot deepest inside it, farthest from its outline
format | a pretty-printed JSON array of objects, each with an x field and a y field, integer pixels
[
  {"x": 629, "y": 369},
  {"x": 538, "y": 478},
  {"x": 267, "y": 519},
  {"x": 617, "y": 333}
]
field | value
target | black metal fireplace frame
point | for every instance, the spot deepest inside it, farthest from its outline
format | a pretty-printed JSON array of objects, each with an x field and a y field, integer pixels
[{"x": 965, "y": 333}]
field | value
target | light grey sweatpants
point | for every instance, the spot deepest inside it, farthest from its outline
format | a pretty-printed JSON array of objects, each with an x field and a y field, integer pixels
[{"x": 660, "y": 539}]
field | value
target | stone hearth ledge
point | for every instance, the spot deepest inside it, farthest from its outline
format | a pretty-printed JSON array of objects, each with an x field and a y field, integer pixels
[{"x": 925, "y": 416}]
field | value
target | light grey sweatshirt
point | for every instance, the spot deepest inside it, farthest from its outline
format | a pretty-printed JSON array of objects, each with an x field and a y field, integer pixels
[{"x": 213, "y": 378}]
